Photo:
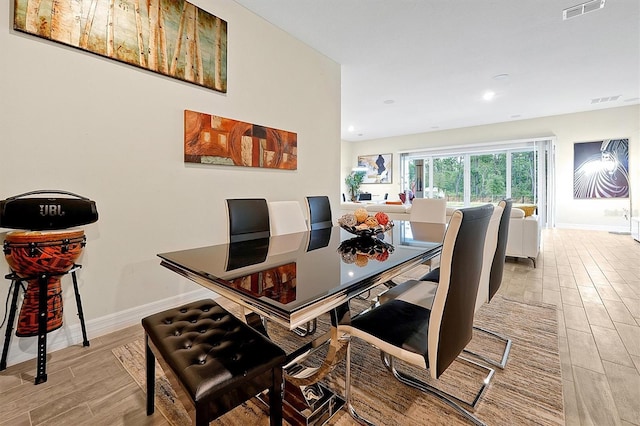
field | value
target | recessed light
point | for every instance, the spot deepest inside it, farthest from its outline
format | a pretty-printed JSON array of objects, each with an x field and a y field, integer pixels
[
  {"x": 360, "y": 134},
  {"x": 389, "y": 101},
  {"x": 488, "y": 95},
  {"x": 516, "y": 116},
  {"x": 435, "y": 127},
  {"x": 350, "y": 129}
]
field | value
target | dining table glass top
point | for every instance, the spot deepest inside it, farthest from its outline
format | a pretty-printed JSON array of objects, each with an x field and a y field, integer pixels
[{"x": 295, "y": 277}]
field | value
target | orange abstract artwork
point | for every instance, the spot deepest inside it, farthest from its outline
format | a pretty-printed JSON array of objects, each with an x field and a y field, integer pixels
[{"x": 209, "y": 139}]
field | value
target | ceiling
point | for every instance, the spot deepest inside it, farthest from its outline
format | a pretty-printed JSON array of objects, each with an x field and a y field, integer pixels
[{"x": 413, "y": 66}]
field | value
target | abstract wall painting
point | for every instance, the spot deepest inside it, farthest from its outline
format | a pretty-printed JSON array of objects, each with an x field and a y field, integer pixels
[
  {"x": 601, "y": 169},
  {"x": 170, "y": 37},
  {"x": 378, "y": 168},
  {"x": 210, "y": 139}
]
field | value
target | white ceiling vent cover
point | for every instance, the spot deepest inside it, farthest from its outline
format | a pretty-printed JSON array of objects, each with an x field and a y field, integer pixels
[
  {"x": 581, "y": 9},
  {"x": 605, "y": 99}
]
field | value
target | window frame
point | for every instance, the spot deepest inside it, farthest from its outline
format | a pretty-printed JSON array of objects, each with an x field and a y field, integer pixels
[{"x": 542, "y": 147}]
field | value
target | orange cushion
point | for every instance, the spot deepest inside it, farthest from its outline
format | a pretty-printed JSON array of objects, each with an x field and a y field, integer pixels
[
  {"x": 399, "y": 203},
  {"x": 528, "y": 209}
]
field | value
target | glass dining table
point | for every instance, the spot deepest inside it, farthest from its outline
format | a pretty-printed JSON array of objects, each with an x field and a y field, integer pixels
[{"x": 293, "y": 279}]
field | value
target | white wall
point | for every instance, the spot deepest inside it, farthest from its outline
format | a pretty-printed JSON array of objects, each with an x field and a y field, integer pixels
[
  {"x": 75, "y": 121},
  {"x": 605, "y": 214}
]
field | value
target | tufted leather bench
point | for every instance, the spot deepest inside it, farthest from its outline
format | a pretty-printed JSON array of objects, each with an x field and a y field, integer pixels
[{"x": 217, "y": 361}]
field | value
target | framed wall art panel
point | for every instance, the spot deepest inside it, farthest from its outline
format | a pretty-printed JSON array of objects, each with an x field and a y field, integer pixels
[
  {"x": 378, "y": 167},
  {"x": 601, "y": 169},
  {"x": 170, "y": 37},
  {"x": 210, "y": 139}
]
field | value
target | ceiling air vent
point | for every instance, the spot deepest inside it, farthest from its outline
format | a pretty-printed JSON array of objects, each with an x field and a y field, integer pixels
[
  {"x": 605, "y": 99},
  {"x": 582, "y": 8}
]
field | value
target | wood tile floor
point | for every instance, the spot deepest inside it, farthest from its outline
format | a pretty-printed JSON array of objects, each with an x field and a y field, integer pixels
[{"x": 592, "y": 277}]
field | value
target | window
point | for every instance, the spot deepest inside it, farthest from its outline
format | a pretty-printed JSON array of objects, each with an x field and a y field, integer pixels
[
  {"x": 448, "y": 179},
  {"x": 523, "y": 177},
  {"x": 488, "y": 178},
  {"x": 479, "y": 174}
]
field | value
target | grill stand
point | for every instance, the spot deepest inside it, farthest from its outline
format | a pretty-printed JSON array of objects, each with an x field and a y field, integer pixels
[{"x": 43, "y": 279}]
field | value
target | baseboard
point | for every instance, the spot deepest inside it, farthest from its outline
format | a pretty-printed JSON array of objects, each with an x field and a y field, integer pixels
[
  {"x": 25, "y": 348},
  {"x": 609, "y": 228}
]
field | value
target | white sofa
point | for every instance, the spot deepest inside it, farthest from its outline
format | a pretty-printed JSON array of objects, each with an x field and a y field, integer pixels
[
  {"x": 524, "y": 236},
  {"x": 524, "y": 232},
  {"x": 394, "y": 211}
]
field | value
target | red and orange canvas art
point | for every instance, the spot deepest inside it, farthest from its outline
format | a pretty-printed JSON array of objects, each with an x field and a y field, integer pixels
[{"x": 210, "y": 139}]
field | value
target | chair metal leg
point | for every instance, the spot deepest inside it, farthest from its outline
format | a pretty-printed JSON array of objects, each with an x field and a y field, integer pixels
[
  {"x": 503, "y": 362},
  {"x": 308, "y": 329},
  {"x": 445, "y": 397},
  {"x": 347, "y": 391}
]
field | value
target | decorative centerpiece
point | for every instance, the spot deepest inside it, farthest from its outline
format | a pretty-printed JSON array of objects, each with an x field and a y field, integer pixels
[
  {"x": 362, "y": 224},
  {"x": 360, "y": 250}
]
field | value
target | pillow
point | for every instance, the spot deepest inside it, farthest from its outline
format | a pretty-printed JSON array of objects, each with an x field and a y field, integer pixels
[
  {"x": 517, "y": 212},
  {"x": 528, "y": 209},
  {"x": 394, "y": 202}
]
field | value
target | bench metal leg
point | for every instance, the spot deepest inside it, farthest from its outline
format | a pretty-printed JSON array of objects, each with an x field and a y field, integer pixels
[
  {"x": 151, "y": 376},
  {"x": 275, "y": 397}
]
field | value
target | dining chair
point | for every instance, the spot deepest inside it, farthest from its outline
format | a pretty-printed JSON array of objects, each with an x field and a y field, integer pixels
[
  {"x": 430, "y": 329},
  {"x": 495, "y": 273},
  {"x": 431, "y": 279},
  {"x": 429, "y": 210},
  {"x": 490, "y": 243},
  {"x": 319, "y": 212},
  {"x": 490, "y": 278},
  {"x": 248, "y": 219},
  {"x": 286, "y": 217}
]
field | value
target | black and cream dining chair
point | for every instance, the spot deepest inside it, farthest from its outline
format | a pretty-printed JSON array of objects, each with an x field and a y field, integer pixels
[
  {"x": 431, "y": 331},
  {"x": 429, "y": 210},
  {"x": 286, "y": 217},
  {"x": 490, "y": 277},
  {"x": 248, "y": 219},
  {"x": 431, "y": 279},
  {"x": 319, "y": 212},
  {"x": 496, "y": 271}
]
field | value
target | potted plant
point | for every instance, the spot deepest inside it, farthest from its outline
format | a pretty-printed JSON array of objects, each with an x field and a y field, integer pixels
[{"x": 353, "y": 181}]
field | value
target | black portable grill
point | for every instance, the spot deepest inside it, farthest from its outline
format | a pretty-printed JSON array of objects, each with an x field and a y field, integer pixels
[{"x": 40, "y": 259}]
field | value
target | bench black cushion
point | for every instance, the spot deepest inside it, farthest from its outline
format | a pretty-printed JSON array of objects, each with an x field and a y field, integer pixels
[{"x": 218, "y": 360}]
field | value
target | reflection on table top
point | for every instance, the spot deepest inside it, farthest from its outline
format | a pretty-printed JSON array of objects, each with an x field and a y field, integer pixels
[{"x": 296, "y": 277}]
